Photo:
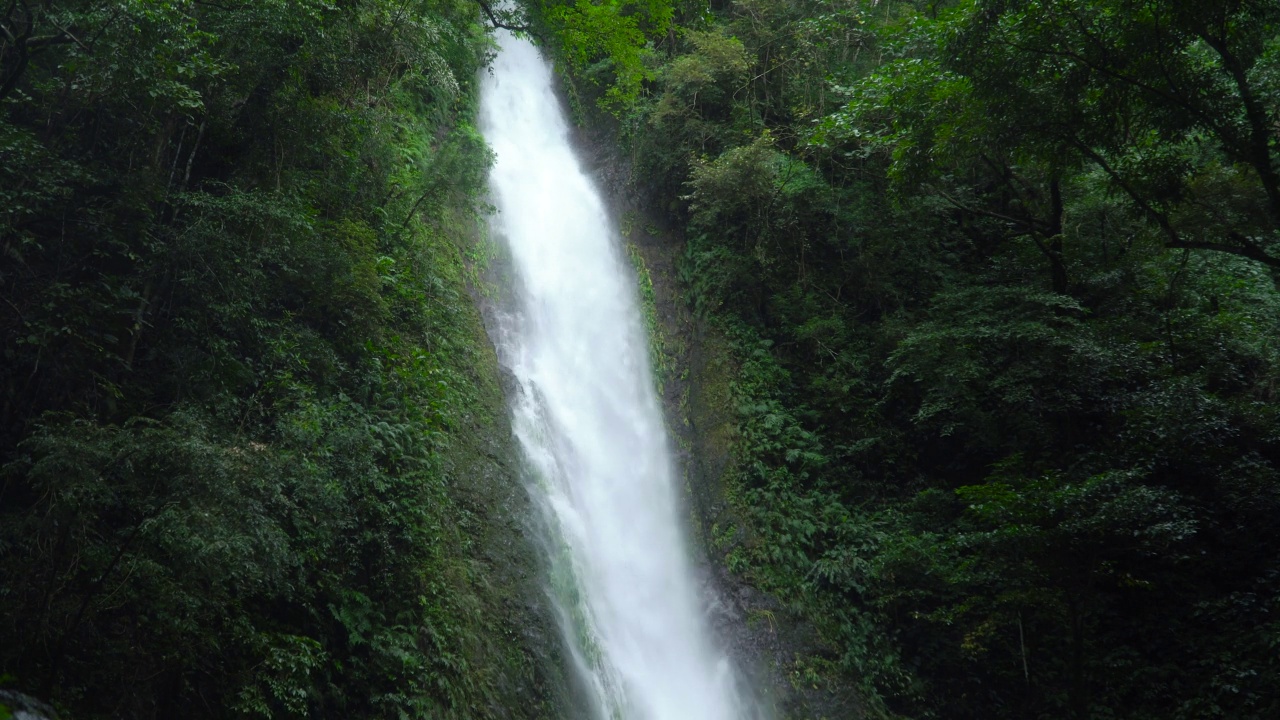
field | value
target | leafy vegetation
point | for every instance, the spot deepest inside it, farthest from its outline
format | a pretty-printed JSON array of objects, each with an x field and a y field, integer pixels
[
  {"x": 999, "y": 277},
  {"x": 246, "y": 405}
]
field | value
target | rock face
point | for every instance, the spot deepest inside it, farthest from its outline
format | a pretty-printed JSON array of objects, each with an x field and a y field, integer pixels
[{"x": 24, "y": 707}]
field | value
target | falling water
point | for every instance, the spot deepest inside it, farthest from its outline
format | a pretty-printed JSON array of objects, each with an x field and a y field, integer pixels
[{"x": 589, "y": 422}]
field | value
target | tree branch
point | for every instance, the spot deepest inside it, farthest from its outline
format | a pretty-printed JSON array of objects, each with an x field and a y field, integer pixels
[
  {"x": 20, "y": 45},
  {"x": 65, "y": 38},
  {"x": 498, "y": 23},
  {"x": 67, "y": 33},
  {"x": 1248, "y": 249},
  {"x": 1160, "y": 218},
  {"x": 1259, "y": 141},
  {"x": 1031, "y": 226}
]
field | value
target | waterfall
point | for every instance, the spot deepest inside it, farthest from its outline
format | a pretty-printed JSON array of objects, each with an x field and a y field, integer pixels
[{"x": 589, "y": 423}]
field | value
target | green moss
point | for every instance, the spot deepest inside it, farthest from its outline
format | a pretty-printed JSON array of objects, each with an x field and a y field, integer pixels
[
  {"x": 512, "y": 647},
  {"x": 661, "y": 356},
  {"x": 712, "y": 404}
]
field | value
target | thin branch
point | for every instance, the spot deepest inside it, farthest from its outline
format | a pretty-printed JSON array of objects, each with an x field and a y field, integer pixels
[
  {"x": 497, "y": 23},
  {"x": 412, "y": 212},
  {"x": 24, "y": 56},
  {"x": 1249, "y": 250},
  {"x": 1031, "y": 225},
  {"x": 224, "y": 8},
  {"x": 9, "y": 302},
  {"x": 1258, "y": 144},
  {"x": 186, "y": 176},
  {"x": 1160, "y": 218},
  {"x": 48, "y": 40}
]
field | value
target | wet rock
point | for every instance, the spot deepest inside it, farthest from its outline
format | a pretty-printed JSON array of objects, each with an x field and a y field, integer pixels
[{"x": 25, "y": 707}]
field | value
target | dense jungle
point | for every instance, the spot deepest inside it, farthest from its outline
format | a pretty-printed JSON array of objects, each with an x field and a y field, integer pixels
[{"x": 994, "y": 283}]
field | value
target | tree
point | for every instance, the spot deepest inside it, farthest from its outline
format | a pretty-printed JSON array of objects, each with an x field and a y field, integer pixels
[{"x": 1168, "y": 99}]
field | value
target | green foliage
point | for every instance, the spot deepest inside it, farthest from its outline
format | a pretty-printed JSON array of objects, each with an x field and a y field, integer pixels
[
  {"x": 606, "y": 39},
  {"x": 998, "y": 282},
  {"x": 243, "y": 382},
  {"x": 659, "y": 352}
]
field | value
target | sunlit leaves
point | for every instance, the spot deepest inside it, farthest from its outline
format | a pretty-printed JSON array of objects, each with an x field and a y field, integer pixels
[{"x": 609, "y": 31}]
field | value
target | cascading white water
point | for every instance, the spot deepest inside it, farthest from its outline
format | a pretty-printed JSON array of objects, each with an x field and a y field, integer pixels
[{"x": 588, "y": 420}]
